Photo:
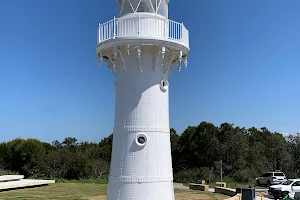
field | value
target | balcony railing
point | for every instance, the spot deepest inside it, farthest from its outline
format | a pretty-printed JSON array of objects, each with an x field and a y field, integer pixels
[{"x": 145, "y": 26}]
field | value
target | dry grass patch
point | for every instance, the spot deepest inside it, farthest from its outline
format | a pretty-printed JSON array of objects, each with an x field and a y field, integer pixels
[{"x": 102, "y": 197}]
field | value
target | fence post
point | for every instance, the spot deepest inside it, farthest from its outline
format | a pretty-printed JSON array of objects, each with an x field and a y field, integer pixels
[
  {"x": 181, "y": 34},
  {"x": 166, "y": 23},
  {"x": 99, "y": 33},
  {"x": 115, "y": 27},
  {"x": 139, "y": 24}
]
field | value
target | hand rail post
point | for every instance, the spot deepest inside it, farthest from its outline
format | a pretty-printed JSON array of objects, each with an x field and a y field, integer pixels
[
  {"x": 139, "y": 24},
  {"x": 166, "y": 21},
  {"x": 115, "y": 27},
  {"x": 181, "y": 34},
  {"x": 99, "y": 33}
]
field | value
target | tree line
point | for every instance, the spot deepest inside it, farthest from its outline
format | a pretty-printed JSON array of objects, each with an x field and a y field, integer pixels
[{"x": 196, "y": 155}]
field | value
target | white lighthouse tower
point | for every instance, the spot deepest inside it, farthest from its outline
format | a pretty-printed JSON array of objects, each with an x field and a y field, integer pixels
[{"x": 142, "y": 46}]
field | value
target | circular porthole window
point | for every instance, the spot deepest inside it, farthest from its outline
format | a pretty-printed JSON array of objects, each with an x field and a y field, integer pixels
[
  {"x": 164, "y": 84},
  {"x": 141, "y": 140}
]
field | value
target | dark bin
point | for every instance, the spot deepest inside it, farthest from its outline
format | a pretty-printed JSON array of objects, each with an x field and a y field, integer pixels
[
  {"x": 248, "y": 194},
  {"x": 297, "y": 196}
]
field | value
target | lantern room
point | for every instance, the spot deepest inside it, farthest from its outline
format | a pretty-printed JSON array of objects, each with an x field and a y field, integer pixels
[{"x": 159, "y": 7}]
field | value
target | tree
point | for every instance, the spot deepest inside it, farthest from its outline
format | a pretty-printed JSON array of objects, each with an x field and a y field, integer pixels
[
  {"x": 24, "y": 155},
  {"x": 99, "y": 168},
  {"x": 179, "y": 161},
  {"x": 54, "y": 164},
  {"x": 105, "y": 148},
  {"x": 57, "y": 144},
  {"x": 196, "y": 154},
  {"x": 174, "y": 139},
  {"x": 3, "y": 153},
  {"x": 70, "y": 143}
]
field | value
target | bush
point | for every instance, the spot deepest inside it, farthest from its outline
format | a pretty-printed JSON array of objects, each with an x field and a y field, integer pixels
[
  {"x": 192, "y": 175},
  {"x": 7, "y": 172},
  {"x": 242, "y": 176}
]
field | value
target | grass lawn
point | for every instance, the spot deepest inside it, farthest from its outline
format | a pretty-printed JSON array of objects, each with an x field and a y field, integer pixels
[{"x": 89, "y": 191}]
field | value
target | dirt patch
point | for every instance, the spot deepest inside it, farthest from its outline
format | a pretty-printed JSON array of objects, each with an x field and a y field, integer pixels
[{"x": 101, "y": 197}]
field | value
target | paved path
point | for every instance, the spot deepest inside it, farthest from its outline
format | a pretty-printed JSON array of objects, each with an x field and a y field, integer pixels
[
  {"x": 180, "y": 186},
  {"x": 257, "y": 197},
  {"x": 211, "y": 189},
  {"x": 260, "y": 193},
  {"x": 263, "y": 194}
]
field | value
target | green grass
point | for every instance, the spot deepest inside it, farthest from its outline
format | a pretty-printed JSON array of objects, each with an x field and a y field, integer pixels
[
  {"x": 88, "y": 191},
  {"x": 59, "y": 191}
]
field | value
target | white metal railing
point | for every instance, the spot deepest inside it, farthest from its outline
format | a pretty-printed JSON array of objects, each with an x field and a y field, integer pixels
[{"x": 143, "y": 26}]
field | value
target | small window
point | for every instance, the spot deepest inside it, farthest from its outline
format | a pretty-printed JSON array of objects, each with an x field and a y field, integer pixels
[
  {"x": 267, "y": 174},
  {"x": 297, "y": 183},
  {"x": 141, "y": 140},
  {"x": 278, "y": 174},
  {"x": 164, "y": 85},
  {"x": 288, "y": 182}
]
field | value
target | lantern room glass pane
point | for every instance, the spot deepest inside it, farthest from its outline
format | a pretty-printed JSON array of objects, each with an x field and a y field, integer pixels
[
  {"x": 145, "y": 6},
  {"x": 154, "y": 4},
  {"x": 151, "y": 6},
  {"x": 124, "y": 7},
  {"x": 134, "y": 3},
  {"x": 163, "y": 8}
]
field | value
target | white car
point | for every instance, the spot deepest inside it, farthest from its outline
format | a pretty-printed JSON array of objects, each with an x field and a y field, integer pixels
[
  {"x": 271, "y": 178},
  {"x": 289, "y": 187}
]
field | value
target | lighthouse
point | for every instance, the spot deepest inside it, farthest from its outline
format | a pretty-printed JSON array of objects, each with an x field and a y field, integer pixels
[{"x": 141, "y": 47}]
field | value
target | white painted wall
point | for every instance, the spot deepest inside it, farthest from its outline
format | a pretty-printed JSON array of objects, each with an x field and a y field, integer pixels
[{"x": 141, "y": 173}]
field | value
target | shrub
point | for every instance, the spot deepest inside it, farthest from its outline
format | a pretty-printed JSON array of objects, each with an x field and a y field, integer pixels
[
  {"x": 242, "y": 176},
  {"x": 7, "y": 172},
  {"x": 192, "y": 175}
]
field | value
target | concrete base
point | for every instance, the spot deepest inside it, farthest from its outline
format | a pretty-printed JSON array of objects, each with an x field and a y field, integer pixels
[
  {"x": 225, "y": 191},
  {"x": 9, "y": 182},
  {"x": 24, "y": 183},
  {"x": 200, "y": 187},
  {"x": 11, "y": 178}
]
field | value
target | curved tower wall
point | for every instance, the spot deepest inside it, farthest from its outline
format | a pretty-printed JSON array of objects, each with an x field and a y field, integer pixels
[{"x": 142, "y": 108}]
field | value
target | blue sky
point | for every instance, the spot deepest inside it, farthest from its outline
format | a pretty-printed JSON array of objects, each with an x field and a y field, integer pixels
[{"x": 243, "y": 68}]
